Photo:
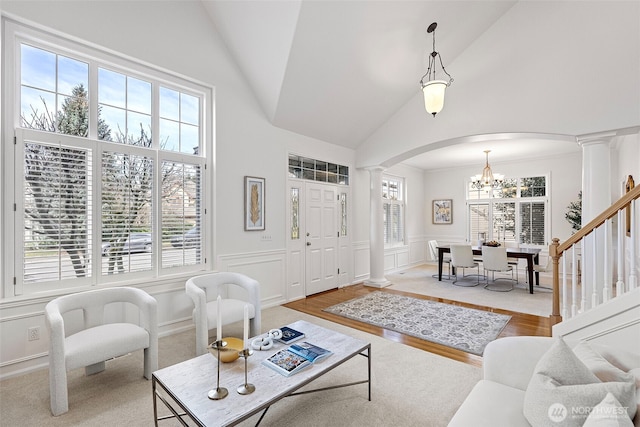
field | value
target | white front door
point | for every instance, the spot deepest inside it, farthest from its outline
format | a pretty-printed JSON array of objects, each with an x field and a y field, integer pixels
[{"x": 321, "y": 234}]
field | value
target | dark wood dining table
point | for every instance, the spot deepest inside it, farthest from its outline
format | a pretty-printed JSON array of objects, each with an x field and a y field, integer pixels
[{"x": 532, "y": 255}]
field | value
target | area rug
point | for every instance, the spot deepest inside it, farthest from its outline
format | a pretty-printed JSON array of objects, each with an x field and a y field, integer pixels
[{"x": 458, "y": 327}]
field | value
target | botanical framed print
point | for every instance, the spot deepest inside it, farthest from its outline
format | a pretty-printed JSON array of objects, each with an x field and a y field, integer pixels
[
  {"x": 254, "y": 191},
  {"x": 442, "y": 211}
]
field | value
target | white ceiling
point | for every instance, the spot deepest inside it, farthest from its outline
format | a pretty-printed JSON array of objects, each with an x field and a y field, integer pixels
[{"x": 339, "y": 70}]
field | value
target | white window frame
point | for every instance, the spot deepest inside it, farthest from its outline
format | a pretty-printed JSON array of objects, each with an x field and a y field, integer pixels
[
  {"x": 400, "y": 201},
  {"x": 14, "y": 34},
  {"x": 490, "y": 200}
]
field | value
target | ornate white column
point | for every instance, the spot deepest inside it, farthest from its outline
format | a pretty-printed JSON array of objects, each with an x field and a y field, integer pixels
[
  {"x": 376, "y": 231},
  {"x": 596, "y": 197}
]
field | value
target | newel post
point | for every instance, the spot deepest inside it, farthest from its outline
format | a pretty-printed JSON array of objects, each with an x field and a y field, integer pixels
[{"x": 555, "y": 317}]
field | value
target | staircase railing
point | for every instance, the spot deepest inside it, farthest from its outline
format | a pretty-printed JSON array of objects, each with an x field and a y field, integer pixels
[{"x": 604, "y": 260}]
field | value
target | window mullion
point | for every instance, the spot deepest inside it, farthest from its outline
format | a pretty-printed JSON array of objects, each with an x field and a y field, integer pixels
[{"x": 93, "y": 101}]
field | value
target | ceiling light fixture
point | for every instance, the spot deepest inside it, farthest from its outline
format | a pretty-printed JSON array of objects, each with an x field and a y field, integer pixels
[
  {"x": 433, "y": 89},
  {"x": 488, "y": 180}
]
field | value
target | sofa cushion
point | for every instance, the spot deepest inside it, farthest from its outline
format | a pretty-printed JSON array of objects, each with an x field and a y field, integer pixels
[
  {"x": 608, "y": 413},
  {"x": 600, "y": 366},
  {"x": 491, "y": 404},
  {"x": 563, "y": 389}
]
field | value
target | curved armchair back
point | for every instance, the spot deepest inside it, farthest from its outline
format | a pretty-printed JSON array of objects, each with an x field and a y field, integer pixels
[
  {"x": 83, "y": 332},
  {"x": 236, "y": 290}
]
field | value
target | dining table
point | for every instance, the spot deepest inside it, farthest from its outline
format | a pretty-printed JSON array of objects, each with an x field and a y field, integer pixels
[{"x": 532, "y": 255}]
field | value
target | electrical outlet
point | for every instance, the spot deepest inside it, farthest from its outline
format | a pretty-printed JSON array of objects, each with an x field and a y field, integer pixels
[{"x": 33, "y": 333}]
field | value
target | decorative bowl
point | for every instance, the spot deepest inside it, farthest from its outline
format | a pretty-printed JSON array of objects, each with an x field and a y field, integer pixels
[
  {"x": 230, "y": 352},
  {"x": 492, "y": 243}
]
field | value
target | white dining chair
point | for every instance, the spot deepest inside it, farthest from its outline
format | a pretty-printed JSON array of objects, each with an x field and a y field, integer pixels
[
  {"x": 446, "y": 259},
  {"x": 461, "y": 258},
  {"x": 494, "y": 260}
]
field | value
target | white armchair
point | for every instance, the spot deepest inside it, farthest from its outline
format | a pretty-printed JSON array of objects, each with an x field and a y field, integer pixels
[
  {"x": 236, "y": 291},
  {"x": 82, "y": 336}
]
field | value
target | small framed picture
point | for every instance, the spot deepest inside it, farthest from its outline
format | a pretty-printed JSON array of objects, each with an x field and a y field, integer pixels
[
  {"x": 443, "y": 211},
  {"x": 254, "y": 191}
]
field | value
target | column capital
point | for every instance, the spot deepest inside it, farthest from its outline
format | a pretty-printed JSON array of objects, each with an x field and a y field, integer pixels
[{"x": 596, "y": 138}]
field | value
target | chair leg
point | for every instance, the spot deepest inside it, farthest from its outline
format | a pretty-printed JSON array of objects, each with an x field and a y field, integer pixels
[
  {"x": 94, "y": 369},
  {"x": 58, "y": 393}
]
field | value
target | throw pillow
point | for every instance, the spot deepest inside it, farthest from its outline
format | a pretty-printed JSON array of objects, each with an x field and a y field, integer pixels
[
  {"x": 563, "y": 389},
  {"x": 608, "y": 413},
  {"x": 600, "y": 366}
]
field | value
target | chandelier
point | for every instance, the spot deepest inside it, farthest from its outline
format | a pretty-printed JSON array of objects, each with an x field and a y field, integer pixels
[
  {"x": 488, "y": 180},
  {"x": 433, "y": 89}
]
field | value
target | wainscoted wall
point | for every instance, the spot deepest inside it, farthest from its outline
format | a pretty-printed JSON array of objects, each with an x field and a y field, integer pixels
[
  {"x": 18, "y": 355},
  {"x": 267, "y": 267}
]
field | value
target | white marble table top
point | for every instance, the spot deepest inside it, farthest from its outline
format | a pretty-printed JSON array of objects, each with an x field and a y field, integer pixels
[{"x": 189, "y": 382}]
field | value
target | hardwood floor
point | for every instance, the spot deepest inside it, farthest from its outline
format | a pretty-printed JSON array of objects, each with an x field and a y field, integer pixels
[{"x": 520, "y": 324}]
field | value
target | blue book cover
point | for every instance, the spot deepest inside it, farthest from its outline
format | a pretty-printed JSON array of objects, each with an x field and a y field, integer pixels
[{"x": 290, "y": 335}]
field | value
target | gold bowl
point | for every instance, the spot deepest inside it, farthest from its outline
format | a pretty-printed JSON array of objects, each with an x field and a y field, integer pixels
[{"x": 230, "y": 352}]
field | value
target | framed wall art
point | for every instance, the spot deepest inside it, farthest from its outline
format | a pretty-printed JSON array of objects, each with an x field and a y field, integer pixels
[
  {"x": 442, "y": 211},
  {"x": 254, "y": 191}
]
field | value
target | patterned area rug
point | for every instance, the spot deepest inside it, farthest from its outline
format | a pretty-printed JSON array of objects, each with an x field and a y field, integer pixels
[{"x": 462, "y": 328}]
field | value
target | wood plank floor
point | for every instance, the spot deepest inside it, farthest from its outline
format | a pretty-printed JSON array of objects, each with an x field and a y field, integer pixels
[{"x": 520, "y": 324}]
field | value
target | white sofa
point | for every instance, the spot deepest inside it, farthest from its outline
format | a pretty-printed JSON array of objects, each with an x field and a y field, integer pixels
[{"x": 508, "y": 365}]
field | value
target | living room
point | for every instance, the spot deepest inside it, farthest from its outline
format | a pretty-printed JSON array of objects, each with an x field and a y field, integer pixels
[{"x": 542, "y": 64}]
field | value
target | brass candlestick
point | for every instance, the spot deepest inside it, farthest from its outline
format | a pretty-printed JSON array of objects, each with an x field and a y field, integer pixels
[
  {"x": 219, "y": 392},
  {"x": 246, "y": 388}
]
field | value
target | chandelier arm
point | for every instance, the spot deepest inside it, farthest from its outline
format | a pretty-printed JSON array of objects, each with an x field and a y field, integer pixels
[{"x": 445, "y": 70}]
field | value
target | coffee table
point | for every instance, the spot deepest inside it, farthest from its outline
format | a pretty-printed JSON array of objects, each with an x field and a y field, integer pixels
[{"x": 183, "y": 387}]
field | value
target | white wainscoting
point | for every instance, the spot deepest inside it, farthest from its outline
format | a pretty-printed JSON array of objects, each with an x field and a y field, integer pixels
[
  {"x": 267, "y": 267},
  {"x": 19, "y": 356}
]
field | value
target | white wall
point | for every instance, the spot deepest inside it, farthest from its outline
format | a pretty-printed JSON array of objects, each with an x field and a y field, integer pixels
[{"x": 246, "y": 144}]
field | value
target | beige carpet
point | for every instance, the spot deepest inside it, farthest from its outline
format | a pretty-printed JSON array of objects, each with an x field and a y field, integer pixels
[
  {"x": 418, "y": 280},
  {"x": 410, "y": 387}
]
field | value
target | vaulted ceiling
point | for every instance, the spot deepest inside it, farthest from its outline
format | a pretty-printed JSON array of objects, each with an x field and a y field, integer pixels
[{"x": 338, "y": 71}]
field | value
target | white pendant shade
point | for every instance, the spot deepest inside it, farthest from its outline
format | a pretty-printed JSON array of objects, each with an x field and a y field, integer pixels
[{"x": 434, "y": 96}]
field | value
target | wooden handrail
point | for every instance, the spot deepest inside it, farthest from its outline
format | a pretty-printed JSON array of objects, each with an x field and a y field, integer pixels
[
  {"x": 556, "y": 249},
  {"x": 600, "y": 219}
]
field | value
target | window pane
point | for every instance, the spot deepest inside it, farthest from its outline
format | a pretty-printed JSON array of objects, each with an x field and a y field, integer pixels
[
  {"x": 138, "y": 129},
  {"x": 189, "y": 140},
  {"x": 71, "y": 74},
  {"x": 115, "y": 120},
  {"x": 504, "y": 222},
  {"x": 169, "y": 104},
  {"x": 533, "y": 187},
  {"x": 479, "y": 221},
  {"x": 138, "y": 95},
  {"x": 181, "y": 215},
  {"x": 169, "y": 135},
  {"x": 57, "y": 217},
  {"x": 189, "y": 109},
  {"x": 127, "y": 191},
  {"x": 37, "y": 109},
  {"x": 38, "y": 68},
  {"x": 532, "y": 217},
  {"x": 111, "y": 88}
]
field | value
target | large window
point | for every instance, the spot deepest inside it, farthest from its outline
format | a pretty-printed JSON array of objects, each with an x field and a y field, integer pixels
[
  {"x": 515, "y": 213},
  {"x": 109, "y": 166},
  {"x": 393, "y": 210}
]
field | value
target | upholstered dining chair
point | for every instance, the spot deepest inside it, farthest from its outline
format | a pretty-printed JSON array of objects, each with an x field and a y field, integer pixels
[
  {"x": 236, "y": 290},
  {"x": 494, "y": 259},
  {"x": 513, "y": 262},
  {"x": 461, "y": 258},
  {"x": 446, "y": 259},
  {"x": 88, "y": 328}
]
